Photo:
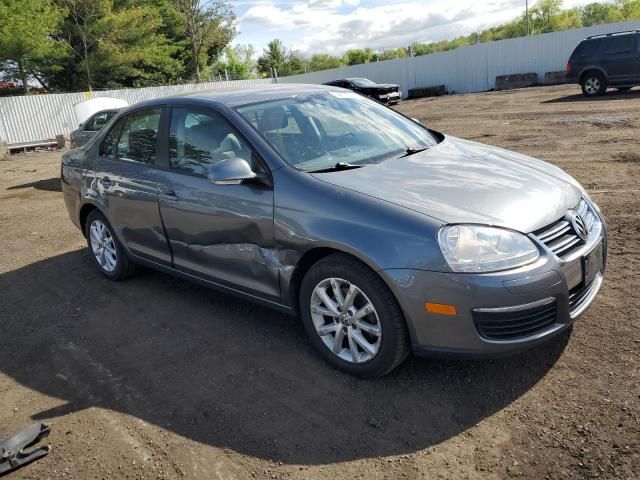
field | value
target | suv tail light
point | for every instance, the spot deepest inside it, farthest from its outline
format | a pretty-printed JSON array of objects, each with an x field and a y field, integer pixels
[{"x": 568, "y": 68}]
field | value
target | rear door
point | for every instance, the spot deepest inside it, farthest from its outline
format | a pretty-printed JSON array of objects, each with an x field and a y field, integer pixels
[
  {"x": 621, "y": 58},
  {"x": 223, "y": 233},
  {"x": 126, "y": 178}
]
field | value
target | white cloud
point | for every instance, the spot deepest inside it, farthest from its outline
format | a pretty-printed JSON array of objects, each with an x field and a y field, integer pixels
[{"x": 334, "y": 26}]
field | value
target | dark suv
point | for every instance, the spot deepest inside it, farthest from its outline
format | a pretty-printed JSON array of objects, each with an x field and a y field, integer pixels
[{"x": 610, "y": 60}]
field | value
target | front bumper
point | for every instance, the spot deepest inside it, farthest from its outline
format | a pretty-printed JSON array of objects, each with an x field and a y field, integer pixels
[
  {"x": 389, "y": 98},
  {"x": 551, "y": 293}
]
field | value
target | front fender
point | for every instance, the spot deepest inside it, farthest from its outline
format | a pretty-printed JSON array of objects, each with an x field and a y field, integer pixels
[{"x": 311, "y": 214}]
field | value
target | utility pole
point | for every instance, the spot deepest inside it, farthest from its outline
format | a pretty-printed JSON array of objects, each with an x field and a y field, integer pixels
[{"x": 526, "y": 9}]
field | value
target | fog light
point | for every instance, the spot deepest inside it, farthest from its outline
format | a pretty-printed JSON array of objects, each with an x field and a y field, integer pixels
[{"x": 440, "y": 308}]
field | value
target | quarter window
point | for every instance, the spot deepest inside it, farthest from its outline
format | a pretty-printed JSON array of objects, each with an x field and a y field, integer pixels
[
  {"x": 198, "y": 140},
  {"x": 619, "y": 44},
  {"x": 139, "y": 137}
]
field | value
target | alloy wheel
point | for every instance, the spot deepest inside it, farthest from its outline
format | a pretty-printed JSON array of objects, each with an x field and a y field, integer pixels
[
  {"x": 103, "y": 246},
  {"x": 592, "y": 85},
  {"x": 346, "y": 320}
]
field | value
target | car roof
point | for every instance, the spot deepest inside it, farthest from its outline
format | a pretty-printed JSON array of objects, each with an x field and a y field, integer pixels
[
  {"x": 613, "y": 34},
  {"x": 236, "y": 96}
]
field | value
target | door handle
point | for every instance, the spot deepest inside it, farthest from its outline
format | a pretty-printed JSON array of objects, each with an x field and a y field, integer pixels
[
  {"x": 169, "y": 195},
  {"x": 106, "y": 182}
]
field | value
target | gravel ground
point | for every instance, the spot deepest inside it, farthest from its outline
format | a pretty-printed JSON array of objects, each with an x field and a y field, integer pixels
[{"x": 159, "y": 378}]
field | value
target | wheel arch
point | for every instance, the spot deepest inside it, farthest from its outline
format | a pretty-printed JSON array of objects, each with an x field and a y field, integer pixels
[
  {"x": 588, "y": 70},
  {"x": 313, "y": 256},
  {"x": 85, "y": 210}
]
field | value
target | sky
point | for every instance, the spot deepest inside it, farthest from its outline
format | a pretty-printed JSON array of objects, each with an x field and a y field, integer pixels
[{"x": 333, "y": 26}]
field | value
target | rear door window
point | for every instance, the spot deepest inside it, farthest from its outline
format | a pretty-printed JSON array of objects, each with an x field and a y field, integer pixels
[{"x": 138, "y": 141}]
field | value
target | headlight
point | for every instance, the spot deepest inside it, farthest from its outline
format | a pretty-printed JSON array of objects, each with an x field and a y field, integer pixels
[{"x": 473, "y": 248}]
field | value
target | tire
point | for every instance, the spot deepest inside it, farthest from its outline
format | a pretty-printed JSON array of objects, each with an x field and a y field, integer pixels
[
  {"x": 379, "y": 337},
  {"x": 115, "y": 264},
  {"x": 593, "y": 84}
]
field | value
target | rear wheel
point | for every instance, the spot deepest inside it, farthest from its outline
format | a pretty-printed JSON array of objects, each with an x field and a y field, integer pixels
[
  {"x": 352, "y": 317},
  {"x": 105, "y": 249},
  {"x": 594, "y": 84}
]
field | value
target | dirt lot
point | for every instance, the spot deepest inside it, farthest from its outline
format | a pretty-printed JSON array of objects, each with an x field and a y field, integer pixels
[{"x": 158, "y": 378}]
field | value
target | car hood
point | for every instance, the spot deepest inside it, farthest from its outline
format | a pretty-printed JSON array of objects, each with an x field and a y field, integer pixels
[{"x": 459, "y": 181}]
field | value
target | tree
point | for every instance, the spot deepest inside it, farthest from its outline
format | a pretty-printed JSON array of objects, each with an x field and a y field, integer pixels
[
  {"x": 113, "y": 47},
  {"x": 542, "y": 13},
  {"x": 273, "y": 57},
  {"x": 389, "y": 54},
  {"x": 79, "y": 34},
  {"x": 357, "y": 56},
  {"x": 629, "y": 9},
  {"x": 25, "y": 36},
  {"x": 237, "y": 62},
  {"x": 324, "y": 61},
  {"x": 597, "y": 13},
  {"x": 209, "y": 25},
  {"x": 132, "y": 52}
]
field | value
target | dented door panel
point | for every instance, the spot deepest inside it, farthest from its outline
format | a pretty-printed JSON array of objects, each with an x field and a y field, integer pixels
[{"x": 221, "y": 232}]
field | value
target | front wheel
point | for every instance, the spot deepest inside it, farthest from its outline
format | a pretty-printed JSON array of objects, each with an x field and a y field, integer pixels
[
  {"x": 352, "y": 318},
  {"x": 105, "y": 249},
  {"x": 594, "y": 84}
]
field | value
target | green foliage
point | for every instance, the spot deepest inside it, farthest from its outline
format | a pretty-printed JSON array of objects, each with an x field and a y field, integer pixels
[
  {"x": 285, "y": 62},
  {"x": 354, "y": 57},
  {"x": 209, "y": 26},
  {"x": 324, "y": 61},
  {"x": 237, "y": 63},
  {"x": 131, "y": 52},
  {"x": 598, "y": 13},
  {"x": 629, "y": 9},
  {"x": 25, "y": 41}
]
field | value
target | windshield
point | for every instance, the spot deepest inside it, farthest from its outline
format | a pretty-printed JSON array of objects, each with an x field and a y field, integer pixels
[
  {"x": 317, "y": 131},
  {"x": 362, "y": 82}
]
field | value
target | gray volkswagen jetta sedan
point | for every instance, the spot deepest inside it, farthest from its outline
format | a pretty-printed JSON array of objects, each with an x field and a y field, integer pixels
[{"x": 385, "y": 237}]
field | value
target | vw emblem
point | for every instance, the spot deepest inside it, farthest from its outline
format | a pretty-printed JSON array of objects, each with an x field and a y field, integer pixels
[{"x": 578, "y": 225}]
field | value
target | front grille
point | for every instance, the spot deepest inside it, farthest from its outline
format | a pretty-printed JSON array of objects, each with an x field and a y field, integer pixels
[
  {"x": 515, "y": 324},
  {"x": 560, "y": 237}
]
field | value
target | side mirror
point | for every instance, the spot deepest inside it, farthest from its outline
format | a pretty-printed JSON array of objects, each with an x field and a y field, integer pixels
[
  {"x": 416, "y": 120},
  {"x": 231, "y": 171}
]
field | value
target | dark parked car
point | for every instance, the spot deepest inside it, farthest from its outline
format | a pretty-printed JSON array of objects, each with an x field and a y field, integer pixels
[
  {"x": 382, "y": 92},
  {"x": 383, "y": 236},
  {"x": 601, "y": 61},
  {"x": 90, "y": 127}
]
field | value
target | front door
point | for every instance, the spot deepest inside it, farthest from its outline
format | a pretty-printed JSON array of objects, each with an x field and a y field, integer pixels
[
  {"x": 126, "y": 179},
  {"x": 224, "y": 233}
]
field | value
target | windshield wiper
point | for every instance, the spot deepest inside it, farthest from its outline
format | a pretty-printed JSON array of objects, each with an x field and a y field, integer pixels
[
  {"x": 412, "y": 151},
  {"x": 336, "y": 168}
]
